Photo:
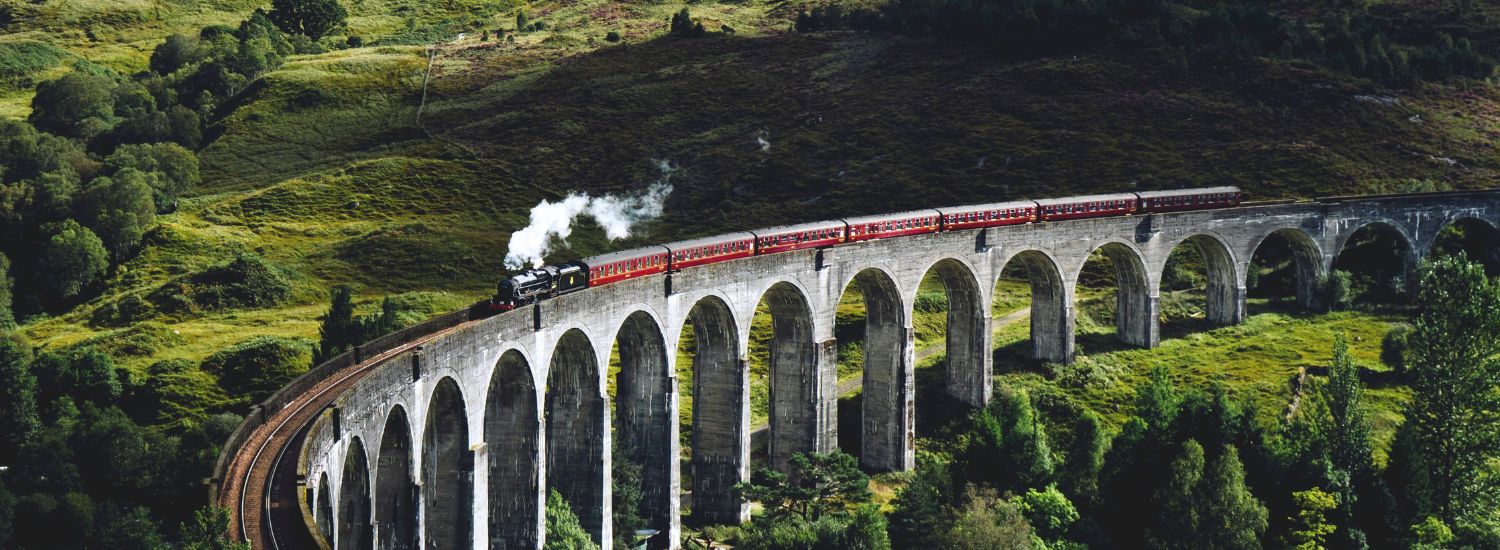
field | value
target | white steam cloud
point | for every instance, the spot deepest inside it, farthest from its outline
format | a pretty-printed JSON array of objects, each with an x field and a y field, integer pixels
[{"x": 552, "y": 222}]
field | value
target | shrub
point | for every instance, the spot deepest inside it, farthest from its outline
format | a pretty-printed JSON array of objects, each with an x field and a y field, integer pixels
[
  {"x": 1393, "y": 347},
  {"x": 1337, "y": 289},
  {"x": 257, "y": 367},
  {"x": 354, "y": 41},
  {"x": 247, "y": 281},
  {"x": 612, "y": 36},
  {"x": 683, "y": 25},
  {"x": 931, "y": 302}
]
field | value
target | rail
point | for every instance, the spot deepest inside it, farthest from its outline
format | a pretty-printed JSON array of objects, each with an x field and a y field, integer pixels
[{"x": 260, "y": 414}]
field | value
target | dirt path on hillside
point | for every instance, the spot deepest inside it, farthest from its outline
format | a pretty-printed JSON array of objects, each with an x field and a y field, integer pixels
[{"x": 848, "y": 387}]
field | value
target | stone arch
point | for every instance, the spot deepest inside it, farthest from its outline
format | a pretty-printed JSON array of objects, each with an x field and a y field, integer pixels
[
  {"x": 644, "y": 421},
  {"x": 354, "y": 529},
  {"x": 511, "y": 428},
  {"x": 447, "y": 470},
  {"x": 1135, "y": 305},
  {"x": 1479, "y": 232},
  {"x": 576, "y": 428},
  {"x": 1406, "y": 251},
  {"x": 323, "y": 515},
  {"x": 1224, "y": 294},
  {"x": 967, "y": 376},
  {"x": 795, "y": 378},
  {"x": 1307, "y": 257},
  {"x": 1051, "y": 306},
  {"x": 721, "y": 414},
  {"x": 395, "y": 492},
  {"x": 886, "y": 412}
]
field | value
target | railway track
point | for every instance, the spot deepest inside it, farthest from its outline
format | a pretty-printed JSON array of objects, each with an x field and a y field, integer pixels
[{"x": 260, "y": 486}]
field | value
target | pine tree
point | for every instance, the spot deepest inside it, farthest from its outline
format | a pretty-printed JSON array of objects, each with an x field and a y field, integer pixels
[
  {"x": 1233, "y": 517},
  {"x": 1455, "y": 410},
  {"x": 339, "y": 331}
]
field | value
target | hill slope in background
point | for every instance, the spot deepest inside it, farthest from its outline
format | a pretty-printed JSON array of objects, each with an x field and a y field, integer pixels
[{"x": 326, "y": 170}]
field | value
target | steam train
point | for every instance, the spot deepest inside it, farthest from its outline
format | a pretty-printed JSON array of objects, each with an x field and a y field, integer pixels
[{"x": 553, "y": 280}]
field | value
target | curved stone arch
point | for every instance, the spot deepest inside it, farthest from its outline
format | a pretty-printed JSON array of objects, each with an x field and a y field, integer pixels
[
  {"x": 447, "y": 468},
  {"x": 576, "y": 421},
  {"x": 784, "y": 287},
  {"x": 1051, "y": 303},
  {"x": 354, "y": 529},
  {"x": 323, "y": 509},
  {"x": 617, "y": 323},
  {"x": 512, "y": 427},
  {"x": 1307, "y": 257},
  {"x": 721, "y": 413},
  {"x": 1409, "y": 252},
  {"x": 1135, "y": 291},
  {"x": 645, "y": 411},
  {"x": 967, "y": 373},
  {"x": 799, "y": 383},
  {"x": 696, "y": 297},
  {"x": 1408, "y": 243},
  {"x": 1490, "y": 257},
  {"x": 887, "y": 414},
  {"x": 1225, "y": 292},
  {"x": 395, "y": 489}
]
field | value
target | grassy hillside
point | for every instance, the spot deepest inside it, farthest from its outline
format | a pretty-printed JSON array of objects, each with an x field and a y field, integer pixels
[{"x": 326, "y": 170}]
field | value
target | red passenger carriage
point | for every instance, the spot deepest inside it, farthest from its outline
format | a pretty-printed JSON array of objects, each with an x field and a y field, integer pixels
[
  {"x": 628, "y": 264},
  {"x": 975, "y": 216},
  {"x": 1089, "y": 206},
  {"x": 709, "y": 250},
  {"x": 796, "y": 237},
  {"x": 869, "y": 228}
]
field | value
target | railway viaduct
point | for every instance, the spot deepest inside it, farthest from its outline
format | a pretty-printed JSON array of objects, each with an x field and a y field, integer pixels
[{"x": 455, "y": 443}]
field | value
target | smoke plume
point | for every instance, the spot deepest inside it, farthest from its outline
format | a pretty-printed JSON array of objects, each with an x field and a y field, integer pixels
[{"x": 552, "y": 222}]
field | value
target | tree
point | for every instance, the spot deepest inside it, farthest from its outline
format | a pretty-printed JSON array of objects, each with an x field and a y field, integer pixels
[
  {"x": 339, "y": 332},
  {"x": 683, "y": 25},
  {"x": 1393, "y": 347},
  {"x": 1208, "y": 507},
  {"x": 1048, "y": 511},
  {"x": 920, "y": 509},
  {"x": 169, "y": 168},
  {"x": 1179, "y": 522},
  {"x": 71, "y": 259},
  {"x": 7, "y": 515},
  {"x": 7, "y": 317},
  {"x": 1233, "y": 517},
  {"x": 18, "y": 412},
  {"x": 256, "y": 368},
  {"x": 119, "y": 210},
  {"x": 1347, "y": 427},
  {"x": 1080, "y": 473},
  {"x": 819, "y": 483},
  {"x": 1310, "y": 526},
  {"x": 312, "y": 18},
  {"x": 92, "y": 376},
  {"x": 564, "y": 532},
  {"x": 77, "y": 105},
  {"x": 209, "y": 530},
  {"x": 1455, "y": 411},
  {"x": 176, "y": 52},
  {"x": 986, "y": 522},
  {"x": 626, "y": 494}
]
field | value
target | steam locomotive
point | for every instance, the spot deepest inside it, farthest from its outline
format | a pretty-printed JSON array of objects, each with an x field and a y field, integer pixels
[{"x": 545, "y": 282}]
